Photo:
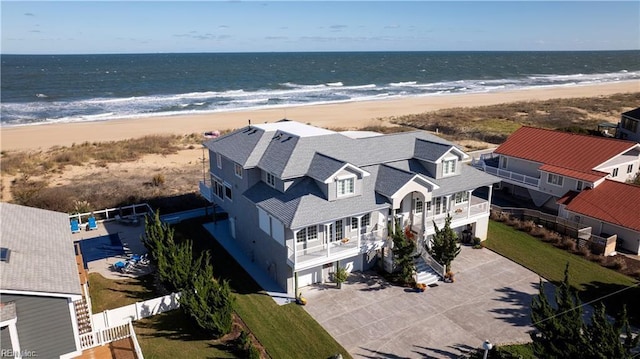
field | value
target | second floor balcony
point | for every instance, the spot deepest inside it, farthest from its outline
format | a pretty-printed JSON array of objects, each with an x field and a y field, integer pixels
[
  {"x": 489, "y": 163},
  {"x": 301, "y": 256}
]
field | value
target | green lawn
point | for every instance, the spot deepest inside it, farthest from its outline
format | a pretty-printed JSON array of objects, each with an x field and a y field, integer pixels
[
  {"x": 286, "y": 331},
  {"x": 591, "y": 279},
  {"x": 110, "y": 294}
]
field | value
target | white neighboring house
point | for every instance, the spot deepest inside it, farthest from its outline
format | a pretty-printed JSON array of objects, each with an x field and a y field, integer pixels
[
  {"x": 303, "y": 199},
  {"x": 543, "y": 165}
]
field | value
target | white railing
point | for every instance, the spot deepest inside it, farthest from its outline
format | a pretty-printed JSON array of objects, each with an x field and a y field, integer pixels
[
  {"x": 135, "y": 311},
  {"x": 206, "y": 190},
  {"x": 297, "y": 255},
  {"x": 134, "y": 339},
  {"x": 437, "y": 267},
  {"x": 513, "y": 176},
  {"x": 111, "y": 214},
  {"x": 109, "y": 335}
]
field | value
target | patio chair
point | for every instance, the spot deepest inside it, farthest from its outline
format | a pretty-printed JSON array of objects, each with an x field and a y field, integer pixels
[
  {"x": 92, "y": 224},
  {"x": 75, "y": 226}
]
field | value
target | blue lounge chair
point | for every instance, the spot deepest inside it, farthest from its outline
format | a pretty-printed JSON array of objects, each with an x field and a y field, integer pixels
[
  {"x": 75, "y": 226},
  {"x": 92, "y": 224}
]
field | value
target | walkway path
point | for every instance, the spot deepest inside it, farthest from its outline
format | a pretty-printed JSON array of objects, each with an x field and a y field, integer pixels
[{"x": 220, "y": 230}]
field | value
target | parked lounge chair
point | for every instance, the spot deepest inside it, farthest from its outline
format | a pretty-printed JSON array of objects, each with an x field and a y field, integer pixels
[
  {"x": 92, "y": 224},
  {"x": 75, "y": 226}
]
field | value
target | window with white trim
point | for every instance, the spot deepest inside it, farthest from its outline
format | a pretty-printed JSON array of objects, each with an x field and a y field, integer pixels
[
  {"x": 307, "y": 234},
  {"x": 503, "y": 162},
  {"x": 614, "y": 173},
  {"x": 366, "y": 220},
  {"x": 218, "y": 160},
  {"x": 301, "y": 236},
  {"x": 462, "y": 197},
  {"x": 579, "y": 186},
  {"x": 555, "y": 179},
  {"x": 228, "y": 192},
  {"x": 419, "y": 206},
  {"x": 339, "y": 233},
  {"x": 238, "y": 170},
  {"x": 354, "y": 222},
  {"x": 271, "y": 179},
  {"x": 449, "y": 167},
  {"x": 312, "y": 233},
  {"x": 346, "y": 186},
  {"x": 630, "y": 168},
  {"x": 218, "y": 188}
]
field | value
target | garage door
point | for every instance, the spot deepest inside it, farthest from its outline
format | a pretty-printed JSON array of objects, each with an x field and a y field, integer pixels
[{"x": 309, "y": 276}]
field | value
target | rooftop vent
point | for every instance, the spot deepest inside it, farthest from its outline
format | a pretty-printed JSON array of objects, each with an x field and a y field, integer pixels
[{"x": 4, "y": 254}]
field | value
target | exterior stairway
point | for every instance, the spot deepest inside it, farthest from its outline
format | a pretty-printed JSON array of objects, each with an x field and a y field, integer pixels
[
  {"x": 424, "y": 273},
  {"x": 83, "y": 316}
]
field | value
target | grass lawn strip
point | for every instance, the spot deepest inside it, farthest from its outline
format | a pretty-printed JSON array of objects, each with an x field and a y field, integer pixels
[{"x": 591, "y": 279}]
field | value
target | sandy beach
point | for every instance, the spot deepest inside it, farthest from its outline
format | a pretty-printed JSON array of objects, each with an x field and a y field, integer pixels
[{"x": 345, "y": 115}]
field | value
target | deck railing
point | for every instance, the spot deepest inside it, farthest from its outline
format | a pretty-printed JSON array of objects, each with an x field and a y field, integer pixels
[
  {"x": 110, "y": 214},
  {"x": 111, "y": 334},
  {"x": 437, "y": 267}
]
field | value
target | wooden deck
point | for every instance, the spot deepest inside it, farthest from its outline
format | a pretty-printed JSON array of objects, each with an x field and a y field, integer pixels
[{"x": 120, "y": 349}]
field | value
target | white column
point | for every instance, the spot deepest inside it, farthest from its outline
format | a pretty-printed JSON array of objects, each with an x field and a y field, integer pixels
[
  {"x": 469, "y": 204},
  {"x": 295, "y": 247},
  {"x": 13, "y": 333},
  {"x": 490, "y": 194},
  {"x": 359, "y": 233}
]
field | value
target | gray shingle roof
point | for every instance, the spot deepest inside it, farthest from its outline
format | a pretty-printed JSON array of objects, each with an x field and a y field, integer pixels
[
  {"x": 42, "y": 255},
  {"x": 322, "y": 167},
  {"x": 390, "y": 180},
  {"x": 304, "y": 204},
  {"x": 469, "y": 177},
  {"x": 429, "y": 150}
]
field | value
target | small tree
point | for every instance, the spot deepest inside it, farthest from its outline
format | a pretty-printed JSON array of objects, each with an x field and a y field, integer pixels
[
  {"x": 403, "y": 248},
  {"x": 444, "y": 246},
  {"x": 603, "y": 336},
  {"x": 207, "y": 301},
  {"x": 560, "y": 329}
]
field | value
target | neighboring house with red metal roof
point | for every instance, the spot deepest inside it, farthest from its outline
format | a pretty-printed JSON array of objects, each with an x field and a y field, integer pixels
[
  {"x": 611, "y": 208},
  {"x": 544, "y": 165},
  {"x": 629, "y": 126}
]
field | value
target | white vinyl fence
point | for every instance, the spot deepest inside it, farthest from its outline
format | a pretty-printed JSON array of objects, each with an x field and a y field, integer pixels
[{"x": 132, "y": 312}]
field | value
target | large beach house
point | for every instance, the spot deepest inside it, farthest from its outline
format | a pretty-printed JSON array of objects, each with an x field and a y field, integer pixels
[
  {"x": 40, "y": 287},
  {"x": 301, "y": 199}
]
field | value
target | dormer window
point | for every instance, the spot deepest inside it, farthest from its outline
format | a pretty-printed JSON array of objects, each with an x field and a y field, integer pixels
[
  {"x": 346, "y": 186},
  {"x": 271, "y": 179},
  {"x": 448, "y": 167}
]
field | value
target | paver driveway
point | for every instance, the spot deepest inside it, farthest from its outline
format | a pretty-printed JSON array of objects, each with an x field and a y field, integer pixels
[{"x": 372, "y": 319}]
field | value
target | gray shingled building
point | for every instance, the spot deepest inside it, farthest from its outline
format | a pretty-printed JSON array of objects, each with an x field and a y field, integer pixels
[
  {"x": 38, "y": 284},
  {"x": 302, "y": 199}
]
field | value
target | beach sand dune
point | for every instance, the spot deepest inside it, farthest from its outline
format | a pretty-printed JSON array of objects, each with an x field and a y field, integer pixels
[{"x": 344, "y": 115}]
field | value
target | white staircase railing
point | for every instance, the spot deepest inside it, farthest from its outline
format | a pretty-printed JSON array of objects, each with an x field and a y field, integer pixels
[{"x": 437, "y": 267}]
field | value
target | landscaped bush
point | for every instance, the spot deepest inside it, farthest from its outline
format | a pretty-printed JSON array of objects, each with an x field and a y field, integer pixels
[
  {"x": 567, "y": 243},
  {"x": 617, "y": 263},
  {"x": 499, "y": 216},
  {"x": 583, "y": 251},
  {"x": 552, "y": 237},
  {"x": 528, "y": 226},
  {"x": 541, "y": 232}
]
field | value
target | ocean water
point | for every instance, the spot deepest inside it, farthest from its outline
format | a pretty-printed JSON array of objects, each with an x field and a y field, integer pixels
[{"x": 65, "y": 88}]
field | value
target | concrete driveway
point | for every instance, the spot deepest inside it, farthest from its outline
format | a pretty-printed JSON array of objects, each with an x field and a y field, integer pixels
[{"x": 372, "y": 319}]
